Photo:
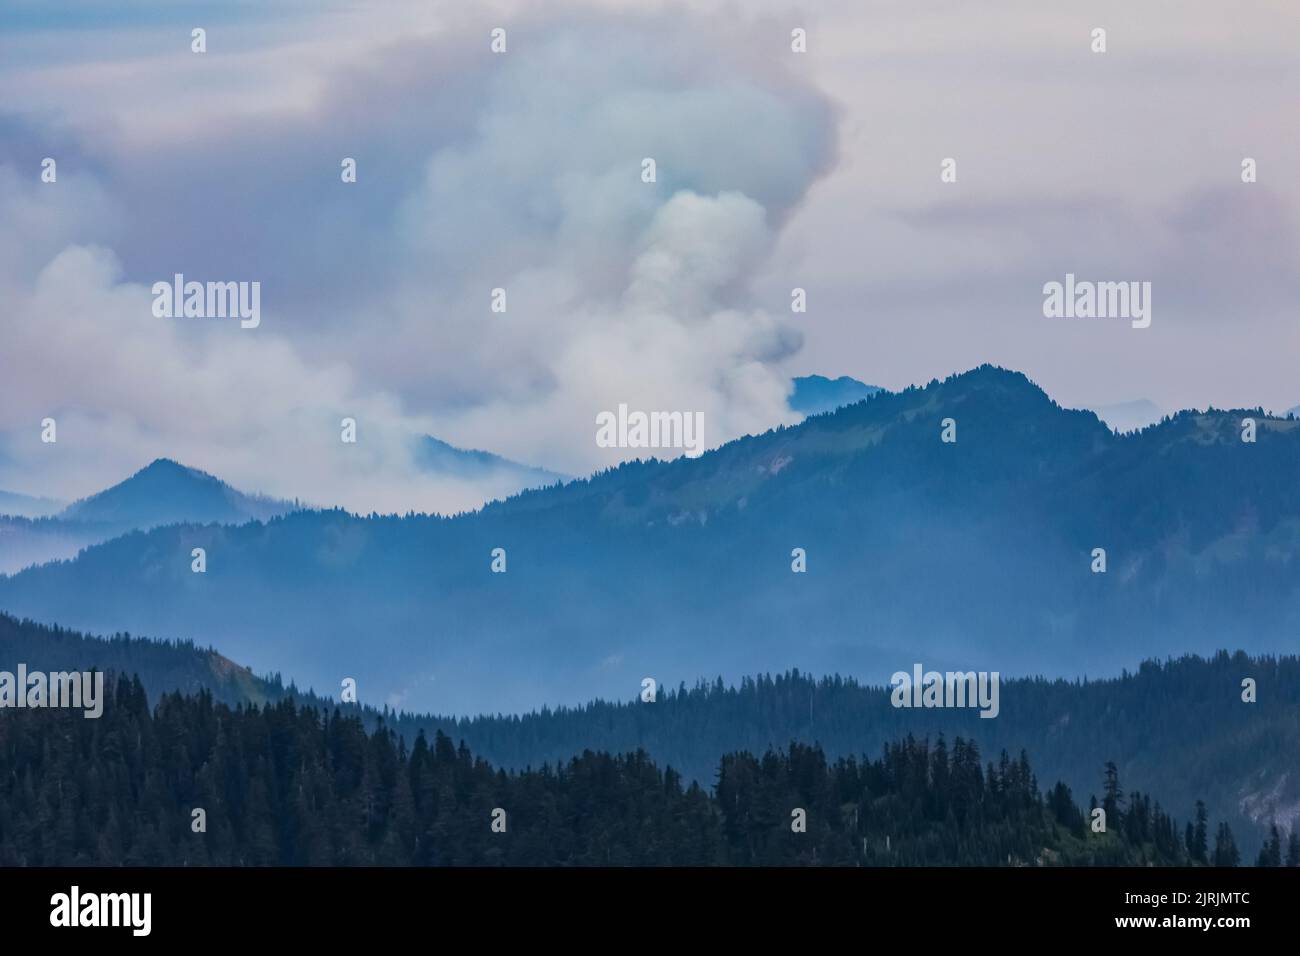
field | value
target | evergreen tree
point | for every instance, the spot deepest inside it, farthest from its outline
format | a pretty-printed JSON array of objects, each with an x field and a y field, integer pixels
[
  {"x": 1271, "y": 853},
  {"x": 1225, "y": 848},
  {"x": 1112, "y": 796},
  {"x": 1200, "y": 836},
  {"x": 289, "y": 784}
]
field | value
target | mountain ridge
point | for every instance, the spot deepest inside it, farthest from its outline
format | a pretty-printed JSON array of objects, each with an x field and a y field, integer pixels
[
  {"x": 975, "y": 554},
  {"x": 161, "y": 493},
  {"x": 167, "y": 492},
  {"x": 13, "y": 503},
  {"x": 1237, "y": 765},
  {"x": 442, "y": 457}
]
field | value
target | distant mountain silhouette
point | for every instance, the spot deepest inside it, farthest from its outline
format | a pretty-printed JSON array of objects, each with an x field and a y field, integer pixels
[
  {"x": 973, "y": 555},
  {"x": 166, "y": 492},
  {"x": 436, "y": 455},
  {"x": 28, "y": 541},
  {"x": 28, "y": 506},
  {"x": 815, "y": 394},
  {"x": 162, "y": 493},
  {"x": 1128, "y": 416},
  {"x": 36, "y": 531}
]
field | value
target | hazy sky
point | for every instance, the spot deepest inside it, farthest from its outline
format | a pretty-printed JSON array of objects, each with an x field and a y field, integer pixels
[{"x": 523, "y": 171}]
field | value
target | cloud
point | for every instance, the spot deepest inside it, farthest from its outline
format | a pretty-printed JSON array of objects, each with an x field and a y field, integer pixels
[
  {"x": 476, "y": 172},
  {"x": 618, "y": 290},
  {"x": 125, "y": 387},
  {"x": 668, "y": 341},
  {"x": 522, "y": 171}
]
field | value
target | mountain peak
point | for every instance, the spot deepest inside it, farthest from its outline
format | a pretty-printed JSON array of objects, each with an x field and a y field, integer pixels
[
  {"x": 164, "y": 464},
  {"x": 170, "y": 468},
  {"x": 168, "y": 492},
  {"x": 983, "y": 376},
  {"x": 976, "y": 551}
]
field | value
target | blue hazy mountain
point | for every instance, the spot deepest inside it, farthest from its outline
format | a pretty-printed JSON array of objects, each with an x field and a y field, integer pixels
[
  {"x": 28, "y": 506},
  {"x": 27, "y": 541},
  {"x": 973, "y": 555},
  {"x": 35, "y": 530},
  {"x": 166, "y": 492},
  {"x": 437, "y": 456},
  {"x": 1128, "y": 416},
  {"x": 815, "y": 394}
]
